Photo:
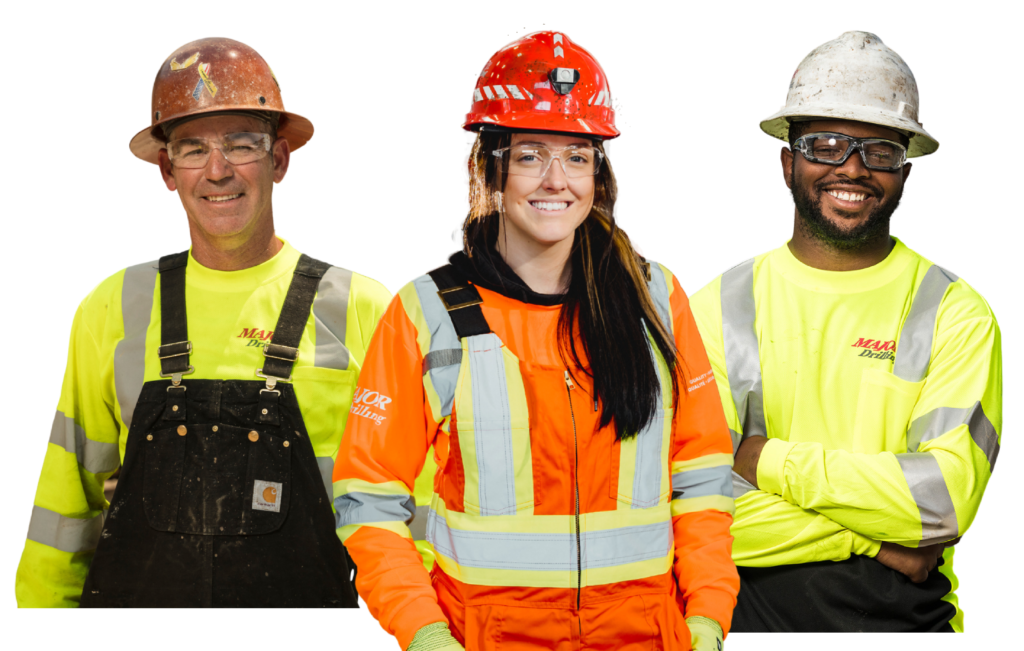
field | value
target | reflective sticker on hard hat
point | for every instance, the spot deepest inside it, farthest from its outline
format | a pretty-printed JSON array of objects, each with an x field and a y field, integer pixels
[
  {"x": 542, "y": 85},
  {"x": 528, "y": 93},
  {"x": 487, "y": 91},
  {"x": 477, "y": 95},
  {"x": 515, "y": 92},
  {"x": 608, "y": 99},
  {"x": 585, "y": 125},
  {"x": 266, "y": 496},
  {"x": 591, "y": 100},
  {"x": 558, "y": 51},
  {"x": 543, "y": 106},
  {"x": 204, "y": 71},
  {"x": 181, "y": 66},
  {"x": 600, "y": 97},
  {"x": 500, "y": 91},
  {"x": 557, "y": 38}
]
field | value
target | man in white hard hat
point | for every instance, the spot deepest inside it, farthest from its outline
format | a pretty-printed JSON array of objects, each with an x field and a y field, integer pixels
[
  {"x": 861, "y": 381},
  {"x": 217, "y": 380}
]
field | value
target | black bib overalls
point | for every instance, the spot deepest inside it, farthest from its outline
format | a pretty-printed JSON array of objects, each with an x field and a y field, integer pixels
[{"x": 220, "y": 501}]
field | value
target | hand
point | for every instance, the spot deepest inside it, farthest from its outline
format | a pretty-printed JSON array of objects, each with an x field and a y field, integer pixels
[
  {"x": 705, "y": 634},
  {"x": 914, "y": 562},
  {"x": 747, "y": 456}
]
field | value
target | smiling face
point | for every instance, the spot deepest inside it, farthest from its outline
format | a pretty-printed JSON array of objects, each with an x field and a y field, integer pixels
[
  {"x": 542, "y": 212},
  {"x": 844, "y": 206},
  {"x": 225, "y": 201}
]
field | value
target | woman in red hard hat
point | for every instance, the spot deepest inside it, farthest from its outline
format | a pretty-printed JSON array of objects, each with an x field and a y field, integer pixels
[{"x": 583, "y": 495}]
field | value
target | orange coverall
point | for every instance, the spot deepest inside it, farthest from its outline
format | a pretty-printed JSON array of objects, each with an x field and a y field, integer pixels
[{"x": 387, "y": 447}]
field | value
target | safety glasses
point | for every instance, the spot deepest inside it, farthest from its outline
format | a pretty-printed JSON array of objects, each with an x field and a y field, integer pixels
[
  {"x": 237, "y": 148},
  {"x": 835, "y": 148},
  {"x": 532, "y": 160}
]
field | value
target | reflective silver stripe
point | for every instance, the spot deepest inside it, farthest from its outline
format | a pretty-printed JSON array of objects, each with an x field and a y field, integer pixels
[
  {"x": 742, "y": 354},
  {"x": 439, "y": 358},
  {"x": 702, "y": 482},
  {"x": 330, "y": 312},
  {"x": 649, "y": 463},
  {"x": 326, "y": 466},
  {"x": 945, "y": 419},
  {"x": 928, "y": 487},
  {"x": 356, "y": 508},
  {"x": 130, "y": 353},
  {"x": 442, "y": 337},
  {"x": 61, "y": 532},
  {"x": 549, "y": 552},
  {"x": 418, "y": 526},
  {"x": 914, "y": 348},
  {"x": 94, "y": 456},
  {"x": 492, "y": 425},
  {"x": 740, "y": 486},
  {"x": 659, "y": 294}
]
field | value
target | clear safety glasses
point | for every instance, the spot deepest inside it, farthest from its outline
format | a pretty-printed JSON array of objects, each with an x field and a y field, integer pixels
[
  {"x": 835, "y": 148},
  {"x": 534, "y": 160},
  {"x": 237, "y": 148}
]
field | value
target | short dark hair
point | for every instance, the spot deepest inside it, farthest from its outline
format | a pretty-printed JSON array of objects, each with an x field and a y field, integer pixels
[{"x": 799, "y": 128}]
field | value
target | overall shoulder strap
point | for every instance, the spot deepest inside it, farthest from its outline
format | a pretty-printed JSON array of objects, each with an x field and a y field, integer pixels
[
  {"x": 174, "y": 344},
  {"x": 283, "y": 349},
  {"x": 462, "y": 300}
]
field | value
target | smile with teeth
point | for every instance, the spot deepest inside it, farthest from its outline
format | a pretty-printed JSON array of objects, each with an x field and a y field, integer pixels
[
  {"x": 847, "y": 196},
  {"x": 550, "y": 205},
  {"x": 223, "y": 197}
]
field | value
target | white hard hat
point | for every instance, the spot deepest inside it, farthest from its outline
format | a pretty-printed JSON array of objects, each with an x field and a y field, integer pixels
[{"x": 855, "y": 77}]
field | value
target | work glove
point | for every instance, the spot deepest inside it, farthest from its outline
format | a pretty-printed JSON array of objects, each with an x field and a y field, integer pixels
[
  {"x": 705, "y": 634},
  {"x": 434, "y": 637}
]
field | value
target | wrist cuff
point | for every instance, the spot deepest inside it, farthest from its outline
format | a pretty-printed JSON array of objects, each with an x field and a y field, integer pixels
[{"x": 771, "y": 466}]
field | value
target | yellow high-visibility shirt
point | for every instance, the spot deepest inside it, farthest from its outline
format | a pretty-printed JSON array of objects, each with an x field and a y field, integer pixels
[
  {"x": 880, "y": 391},
  {"x": 113, "y": 351}
]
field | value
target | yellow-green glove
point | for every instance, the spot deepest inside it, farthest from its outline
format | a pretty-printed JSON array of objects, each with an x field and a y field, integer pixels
[
  {"x": 705, "y": 634},
  {"x": 434, "y": 637}
]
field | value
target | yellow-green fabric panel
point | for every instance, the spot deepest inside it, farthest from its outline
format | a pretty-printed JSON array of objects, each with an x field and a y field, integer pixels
[
  {"x": 703, "y": 503},
  {"x": 344, "y": 533},
  {"x": 946, "y": 569},
  {"x": 50, "y": 578}
]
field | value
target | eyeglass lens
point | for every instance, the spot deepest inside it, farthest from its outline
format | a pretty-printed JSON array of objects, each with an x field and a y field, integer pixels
[
  {"x": 237, "y": 148},
  {"x": 535, "y": 160},
  {"x": 877, "y": 153}
]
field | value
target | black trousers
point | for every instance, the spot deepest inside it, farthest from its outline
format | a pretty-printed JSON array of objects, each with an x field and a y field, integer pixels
[{"x": 858, "y": 594}]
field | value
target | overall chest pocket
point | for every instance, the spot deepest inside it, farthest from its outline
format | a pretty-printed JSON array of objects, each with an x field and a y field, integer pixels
[
  {"x": 216, "y": 480},
  {"x": 884, "y": 407}
]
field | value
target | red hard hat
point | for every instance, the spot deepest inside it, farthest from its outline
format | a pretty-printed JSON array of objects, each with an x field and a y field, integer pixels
[
  {"x": 543, "y": 82},
  {"x": 210, "y": 75}
]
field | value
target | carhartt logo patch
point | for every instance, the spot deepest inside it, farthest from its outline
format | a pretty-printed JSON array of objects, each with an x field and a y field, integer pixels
[{"x": 266, "y": 496}]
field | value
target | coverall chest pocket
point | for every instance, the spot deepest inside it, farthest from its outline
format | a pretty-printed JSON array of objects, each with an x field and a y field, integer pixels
[
  {"x": 216, "y": 480},
  {"x": 884, "y": 407}
]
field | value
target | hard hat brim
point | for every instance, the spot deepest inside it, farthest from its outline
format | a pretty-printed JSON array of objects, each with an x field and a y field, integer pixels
[
  {"x": 294, "y": 128},
  {"x": 556, "y": 123},
  {"x": 921, "y": 142}
]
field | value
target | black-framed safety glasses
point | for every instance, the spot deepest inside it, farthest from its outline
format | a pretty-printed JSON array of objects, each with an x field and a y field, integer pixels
[{"x": 834, "y": 148}]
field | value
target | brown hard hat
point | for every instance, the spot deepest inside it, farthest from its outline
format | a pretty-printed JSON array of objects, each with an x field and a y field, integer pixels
[{"x": 210, "y": 75}]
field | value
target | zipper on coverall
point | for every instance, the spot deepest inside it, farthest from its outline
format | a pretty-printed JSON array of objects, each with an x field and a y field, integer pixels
[{"x": 569, "y": 386}]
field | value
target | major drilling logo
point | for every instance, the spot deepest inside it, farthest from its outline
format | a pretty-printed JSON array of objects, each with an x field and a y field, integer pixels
[
  {"x": 368, "y": 403},
  {"x": 876, "y": 348},
  {"x": 257, "y": 338}
]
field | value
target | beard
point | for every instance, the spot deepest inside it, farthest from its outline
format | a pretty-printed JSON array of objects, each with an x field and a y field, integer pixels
[{"x": 814, "y": 223}]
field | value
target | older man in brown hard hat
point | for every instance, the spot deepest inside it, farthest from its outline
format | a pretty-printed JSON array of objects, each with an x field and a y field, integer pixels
[{"x": 218, "y": 380}]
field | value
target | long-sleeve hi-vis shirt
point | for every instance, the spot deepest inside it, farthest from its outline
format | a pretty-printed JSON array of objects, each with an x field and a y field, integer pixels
[
  {"x": 880, "y": 391},
  {"x": 519, "y": 452},
  {"x": 113, "y": 351}
]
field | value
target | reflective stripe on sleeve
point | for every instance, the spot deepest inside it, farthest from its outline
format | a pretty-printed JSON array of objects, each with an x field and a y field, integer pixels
[
  {"x": 330, "y": 312},
  {"x": 95, "y": 456},
  {"x": 360, "y": 508},
  {"x": 945, "y": 419},
  {"x": 71, "y": 535},
  {"x": 658, "y": 287},
  {"x": 914, "y": 349},
  {"x": 702, "y": 482},
  {"x": 418, "y": 526},
  {"x": 928, "y": 488},
  {"x": 130, "y": 353},
  {"x": 742, "y": 354},
  {"x": 442, "y": 337},
  {"x": 326, "y": 466},
  {"x": 438, "y": 358}
]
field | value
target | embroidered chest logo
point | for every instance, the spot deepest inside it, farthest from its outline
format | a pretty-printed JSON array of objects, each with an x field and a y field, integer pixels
[
  {"x": 876, "y": 348},
  {"x": 257, "y": 338},
  {"x": 370, "y": 404}
]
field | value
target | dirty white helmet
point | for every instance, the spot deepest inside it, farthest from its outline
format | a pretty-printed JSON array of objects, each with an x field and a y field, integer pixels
[{"x": 855, "y": 77}]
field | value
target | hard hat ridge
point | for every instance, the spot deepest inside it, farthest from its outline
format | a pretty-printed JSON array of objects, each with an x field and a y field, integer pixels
[{"x": 854, "y": 77}]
